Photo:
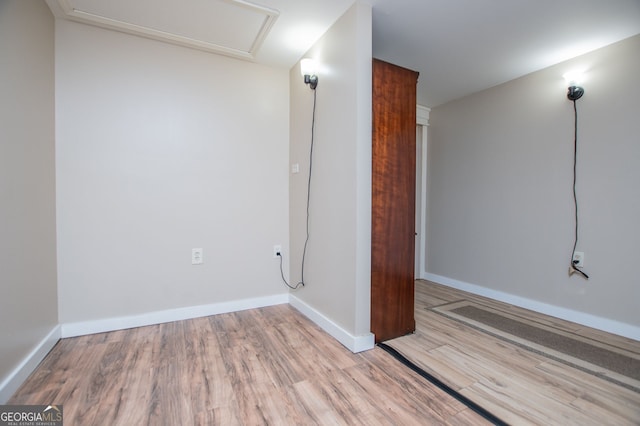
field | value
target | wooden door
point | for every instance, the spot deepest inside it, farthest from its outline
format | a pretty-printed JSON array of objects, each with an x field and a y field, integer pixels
[{"x": 393, "y": 201}]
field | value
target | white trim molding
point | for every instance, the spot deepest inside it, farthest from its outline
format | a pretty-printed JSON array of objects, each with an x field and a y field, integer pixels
[
  {"x": 169, "y": 315},
  {"x": 422, "y": 119},
  {"x": 610, "y": 326},
  {"x": 66, "y": 9},
  {"x": 422, "y": 115},
  {"x": 28, "y": 365},
  {"x": 354, "y": 343}
]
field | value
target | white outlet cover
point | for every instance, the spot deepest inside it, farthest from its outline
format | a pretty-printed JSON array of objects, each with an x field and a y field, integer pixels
[
  {"x": 579, "y": 256},
  {"x": 196, "y": 256}
]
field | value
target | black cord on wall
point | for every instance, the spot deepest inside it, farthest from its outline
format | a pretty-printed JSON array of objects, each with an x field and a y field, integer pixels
[
  {"x": 306, "y": 241},
  {"x": 573, "y": 263}
]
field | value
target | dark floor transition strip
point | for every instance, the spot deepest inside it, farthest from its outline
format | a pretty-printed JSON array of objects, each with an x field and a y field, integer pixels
[{"x": 463, "y": 399}]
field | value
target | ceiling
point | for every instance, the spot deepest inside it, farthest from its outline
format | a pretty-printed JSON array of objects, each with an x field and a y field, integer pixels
[{"x": 458, "y": 46}]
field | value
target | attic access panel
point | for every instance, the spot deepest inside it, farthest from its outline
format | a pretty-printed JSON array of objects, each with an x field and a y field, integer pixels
[{"x": 229, "y": 27}]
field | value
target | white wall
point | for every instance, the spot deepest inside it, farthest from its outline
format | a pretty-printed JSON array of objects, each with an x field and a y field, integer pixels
[
  {"x": 500, "y": 202},
  {"x": 161, "y": 149},
  {"x": 28, "y": 300},
  {"x": 338, "y": 262}
]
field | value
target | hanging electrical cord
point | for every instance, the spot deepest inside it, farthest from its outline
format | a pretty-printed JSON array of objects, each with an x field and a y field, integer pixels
[
  {"x": 573, "y": 266},
  {"x": 306, "y": 241}
]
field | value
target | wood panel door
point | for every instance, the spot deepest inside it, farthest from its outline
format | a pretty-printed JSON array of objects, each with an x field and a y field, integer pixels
[{"x": 393, "y": 200}]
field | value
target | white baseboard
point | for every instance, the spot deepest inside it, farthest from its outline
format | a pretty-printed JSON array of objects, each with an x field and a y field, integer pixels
[
  {"x": 353, "y": 343},
  {"x": 158, "y": 317},
  {"x": 28, "y": 364},
  {"x": 593, "y": 321}
]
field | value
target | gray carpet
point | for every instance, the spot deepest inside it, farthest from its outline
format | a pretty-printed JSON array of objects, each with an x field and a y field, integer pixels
[
  {"x": 595, "y": 355},
  {"x": 536, "y": 337}
]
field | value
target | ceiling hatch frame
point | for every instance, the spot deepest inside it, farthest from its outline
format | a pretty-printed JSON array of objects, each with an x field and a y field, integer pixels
[{"x": 64, "y": 9}]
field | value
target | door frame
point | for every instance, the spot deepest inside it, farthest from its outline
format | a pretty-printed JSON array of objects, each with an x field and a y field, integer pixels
[{"x": 422, "y": 120}]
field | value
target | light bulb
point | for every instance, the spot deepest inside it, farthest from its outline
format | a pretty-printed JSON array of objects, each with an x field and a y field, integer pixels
[
  {"x": 308, "y": 67},
  {"x": 574, "y": 78}
]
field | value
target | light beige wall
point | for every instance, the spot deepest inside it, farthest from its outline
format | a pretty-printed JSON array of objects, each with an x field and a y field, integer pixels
[
  {"x": 338, "y": 262},
  {"x": 28, "y": 301},
  {"x": 161, "y": 149},
  {"x": 500, "y": 175}
]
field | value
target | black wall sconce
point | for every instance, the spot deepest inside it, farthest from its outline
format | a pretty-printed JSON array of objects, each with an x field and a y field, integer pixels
[
  {"x": 309, "y": 72},
  {"x": 575, "y": 91}
]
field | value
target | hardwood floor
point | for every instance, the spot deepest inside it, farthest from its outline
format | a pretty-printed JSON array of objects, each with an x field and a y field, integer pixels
[
  {"x": 519, "y": 386},
  {"x": 261, "y": 366},
  {"x": 273, "y": 366}
]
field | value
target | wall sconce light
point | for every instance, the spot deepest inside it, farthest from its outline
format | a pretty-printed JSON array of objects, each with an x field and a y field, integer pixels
[
  {"x": 309, "y": 71},
  {"x": 573, "y": 79}
]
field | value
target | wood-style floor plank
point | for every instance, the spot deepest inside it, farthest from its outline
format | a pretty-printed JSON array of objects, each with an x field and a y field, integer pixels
[
  {"x": 273, "y": 366},
  {"x": 517, "y": 385},
  {"x": 261, "y": 366}
]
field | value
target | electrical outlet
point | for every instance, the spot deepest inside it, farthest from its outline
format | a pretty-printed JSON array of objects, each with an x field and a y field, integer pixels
[
  {"x": 277, "y": 250},
  {"x": 196, "y": 256},
  {"x": 578, "y": 259}
]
